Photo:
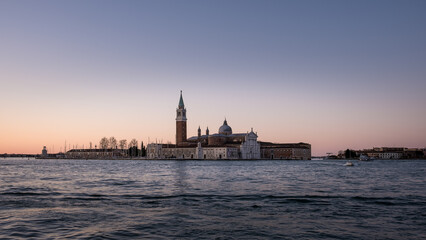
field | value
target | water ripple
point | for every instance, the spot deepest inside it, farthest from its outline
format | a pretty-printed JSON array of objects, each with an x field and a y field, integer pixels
[{"x": 53, "y": 199}]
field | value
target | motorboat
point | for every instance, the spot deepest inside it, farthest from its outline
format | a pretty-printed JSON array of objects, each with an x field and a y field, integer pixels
[{"x": 349, "y": 164}]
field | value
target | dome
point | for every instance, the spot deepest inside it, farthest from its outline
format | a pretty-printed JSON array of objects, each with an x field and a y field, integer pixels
[{"x": 225, "y": 129}]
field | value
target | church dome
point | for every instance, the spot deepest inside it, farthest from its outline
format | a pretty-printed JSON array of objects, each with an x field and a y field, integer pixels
[{"x": 225, "y": 129}]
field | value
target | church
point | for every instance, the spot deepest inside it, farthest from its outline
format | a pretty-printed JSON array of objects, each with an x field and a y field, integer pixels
[{"x": 223, "y": 145}]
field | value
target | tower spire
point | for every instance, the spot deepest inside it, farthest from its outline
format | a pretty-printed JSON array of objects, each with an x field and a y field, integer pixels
[{"x": 181, "y": 104}]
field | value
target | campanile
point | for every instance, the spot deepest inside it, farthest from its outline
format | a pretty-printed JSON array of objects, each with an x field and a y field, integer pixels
[{"x": 180, "y": 122}]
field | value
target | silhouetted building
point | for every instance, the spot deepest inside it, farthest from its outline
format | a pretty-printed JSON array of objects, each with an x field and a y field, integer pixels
[
  {"x": 288, "y": 151},
  {"x": 44, "y": 152},
  {"x": 222, "y": 145},
  {"x": 96, "y": 153}
]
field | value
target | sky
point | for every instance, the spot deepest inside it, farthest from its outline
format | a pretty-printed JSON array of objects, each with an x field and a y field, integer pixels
[{"x": 335, "y": 74}]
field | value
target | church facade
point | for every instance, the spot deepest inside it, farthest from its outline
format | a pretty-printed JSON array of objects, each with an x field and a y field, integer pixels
[{"x": 222, "y": 145}]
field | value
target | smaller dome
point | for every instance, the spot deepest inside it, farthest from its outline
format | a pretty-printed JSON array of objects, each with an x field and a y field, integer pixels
[{"x": 225, "y": 129}]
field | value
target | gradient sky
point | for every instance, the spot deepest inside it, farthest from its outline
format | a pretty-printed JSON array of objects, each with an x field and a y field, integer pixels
[{"x": 336, "y": 74}]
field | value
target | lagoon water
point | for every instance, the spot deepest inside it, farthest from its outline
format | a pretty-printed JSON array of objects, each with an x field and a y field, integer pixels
[{"x": 105, "y": 199}]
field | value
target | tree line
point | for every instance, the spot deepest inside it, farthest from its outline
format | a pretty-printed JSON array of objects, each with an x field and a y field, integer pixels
[{"x": 131, "y": 147}]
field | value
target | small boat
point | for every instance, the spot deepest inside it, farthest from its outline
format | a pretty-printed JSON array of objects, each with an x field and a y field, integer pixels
[{"x": 349, "y": 164}]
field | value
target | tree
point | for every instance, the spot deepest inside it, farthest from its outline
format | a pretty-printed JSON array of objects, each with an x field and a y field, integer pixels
[
  {"x": 133, "y": 148},
  {"x": 350, "y": 153},
  {"x": 143, "y": 150},
  {"x": 133, "y": 151},
  {"x": 112, "y": 143},
  {"x": 122, "y": 143},
  {"x": 104, "y": 143},
  {"x": 133, "y": 143}
]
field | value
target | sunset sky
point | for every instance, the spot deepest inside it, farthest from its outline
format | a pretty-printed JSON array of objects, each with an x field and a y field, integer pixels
[{"x": 335, "y": 74}]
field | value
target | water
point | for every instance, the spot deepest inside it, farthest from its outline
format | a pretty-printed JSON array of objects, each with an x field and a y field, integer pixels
[{"x": 83, "y": 199}]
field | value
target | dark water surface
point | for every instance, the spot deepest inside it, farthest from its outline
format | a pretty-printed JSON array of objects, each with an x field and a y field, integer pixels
[{"x": 83, "y": 199}]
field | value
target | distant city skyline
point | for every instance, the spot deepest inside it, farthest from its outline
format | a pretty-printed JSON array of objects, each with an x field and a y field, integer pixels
[{"x": 333, "y": 74}]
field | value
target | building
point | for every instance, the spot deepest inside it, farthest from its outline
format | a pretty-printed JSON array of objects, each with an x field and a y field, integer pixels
[
  {"x": 392, "y": 153},
  {"x": 96, "y": 153},
  {"x": 414, "y": 153},
  {"x": 288, "y": 151},
  {"x": 225, "y": 144},
  {"x": 44, "y": 152},
  {"x": 45, "y": 155}
]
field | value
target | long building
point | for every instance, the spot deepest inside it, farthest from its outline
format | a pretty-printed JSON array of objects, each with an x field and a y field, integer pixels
[
  {"x": 96, "y": 154},
  {"x": 222, "y": 145},
  {"x": 390, "y": 153},
  {"x": 288, "y": 151}
]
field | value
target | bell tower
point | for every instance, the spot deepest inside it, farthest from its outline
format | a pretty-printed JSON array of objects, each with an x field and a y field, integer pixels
[{"x": 180, "y": 122}]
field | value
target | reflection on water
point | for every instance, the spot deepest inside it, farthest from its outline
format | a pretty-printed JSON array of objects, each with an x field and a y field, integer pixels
[{"x": 212, "y": 199}]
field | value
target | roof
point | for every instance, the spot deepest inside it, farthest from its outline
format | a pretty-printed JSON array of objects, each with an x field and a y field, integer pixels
[
  {"x": 97, "y": 150},
  {"x": 225, "y": 128},
  {"x": 181, "y": 104},
  {"x": 284, "y": 145},
  {"x": 217, "y": 135}
]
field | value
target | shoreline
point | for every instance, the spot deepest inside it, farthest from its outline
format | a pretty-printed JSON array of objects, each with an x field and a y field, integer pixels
[{"x": 177, "y": 159}]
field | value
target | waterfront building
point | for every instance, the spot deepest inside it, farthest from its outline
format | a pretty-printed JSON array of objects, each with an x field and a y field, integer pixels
[
  {"x": 44, "y": 152},
  {"x": 413, "y": 153},
  {"x": 225, "y": 144},
  {"x": 289, "y": 151},
  {"x": 45, "y": 155},
  {"x": 96, "y": 153},
  {"x": 392, "y": 153}
]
